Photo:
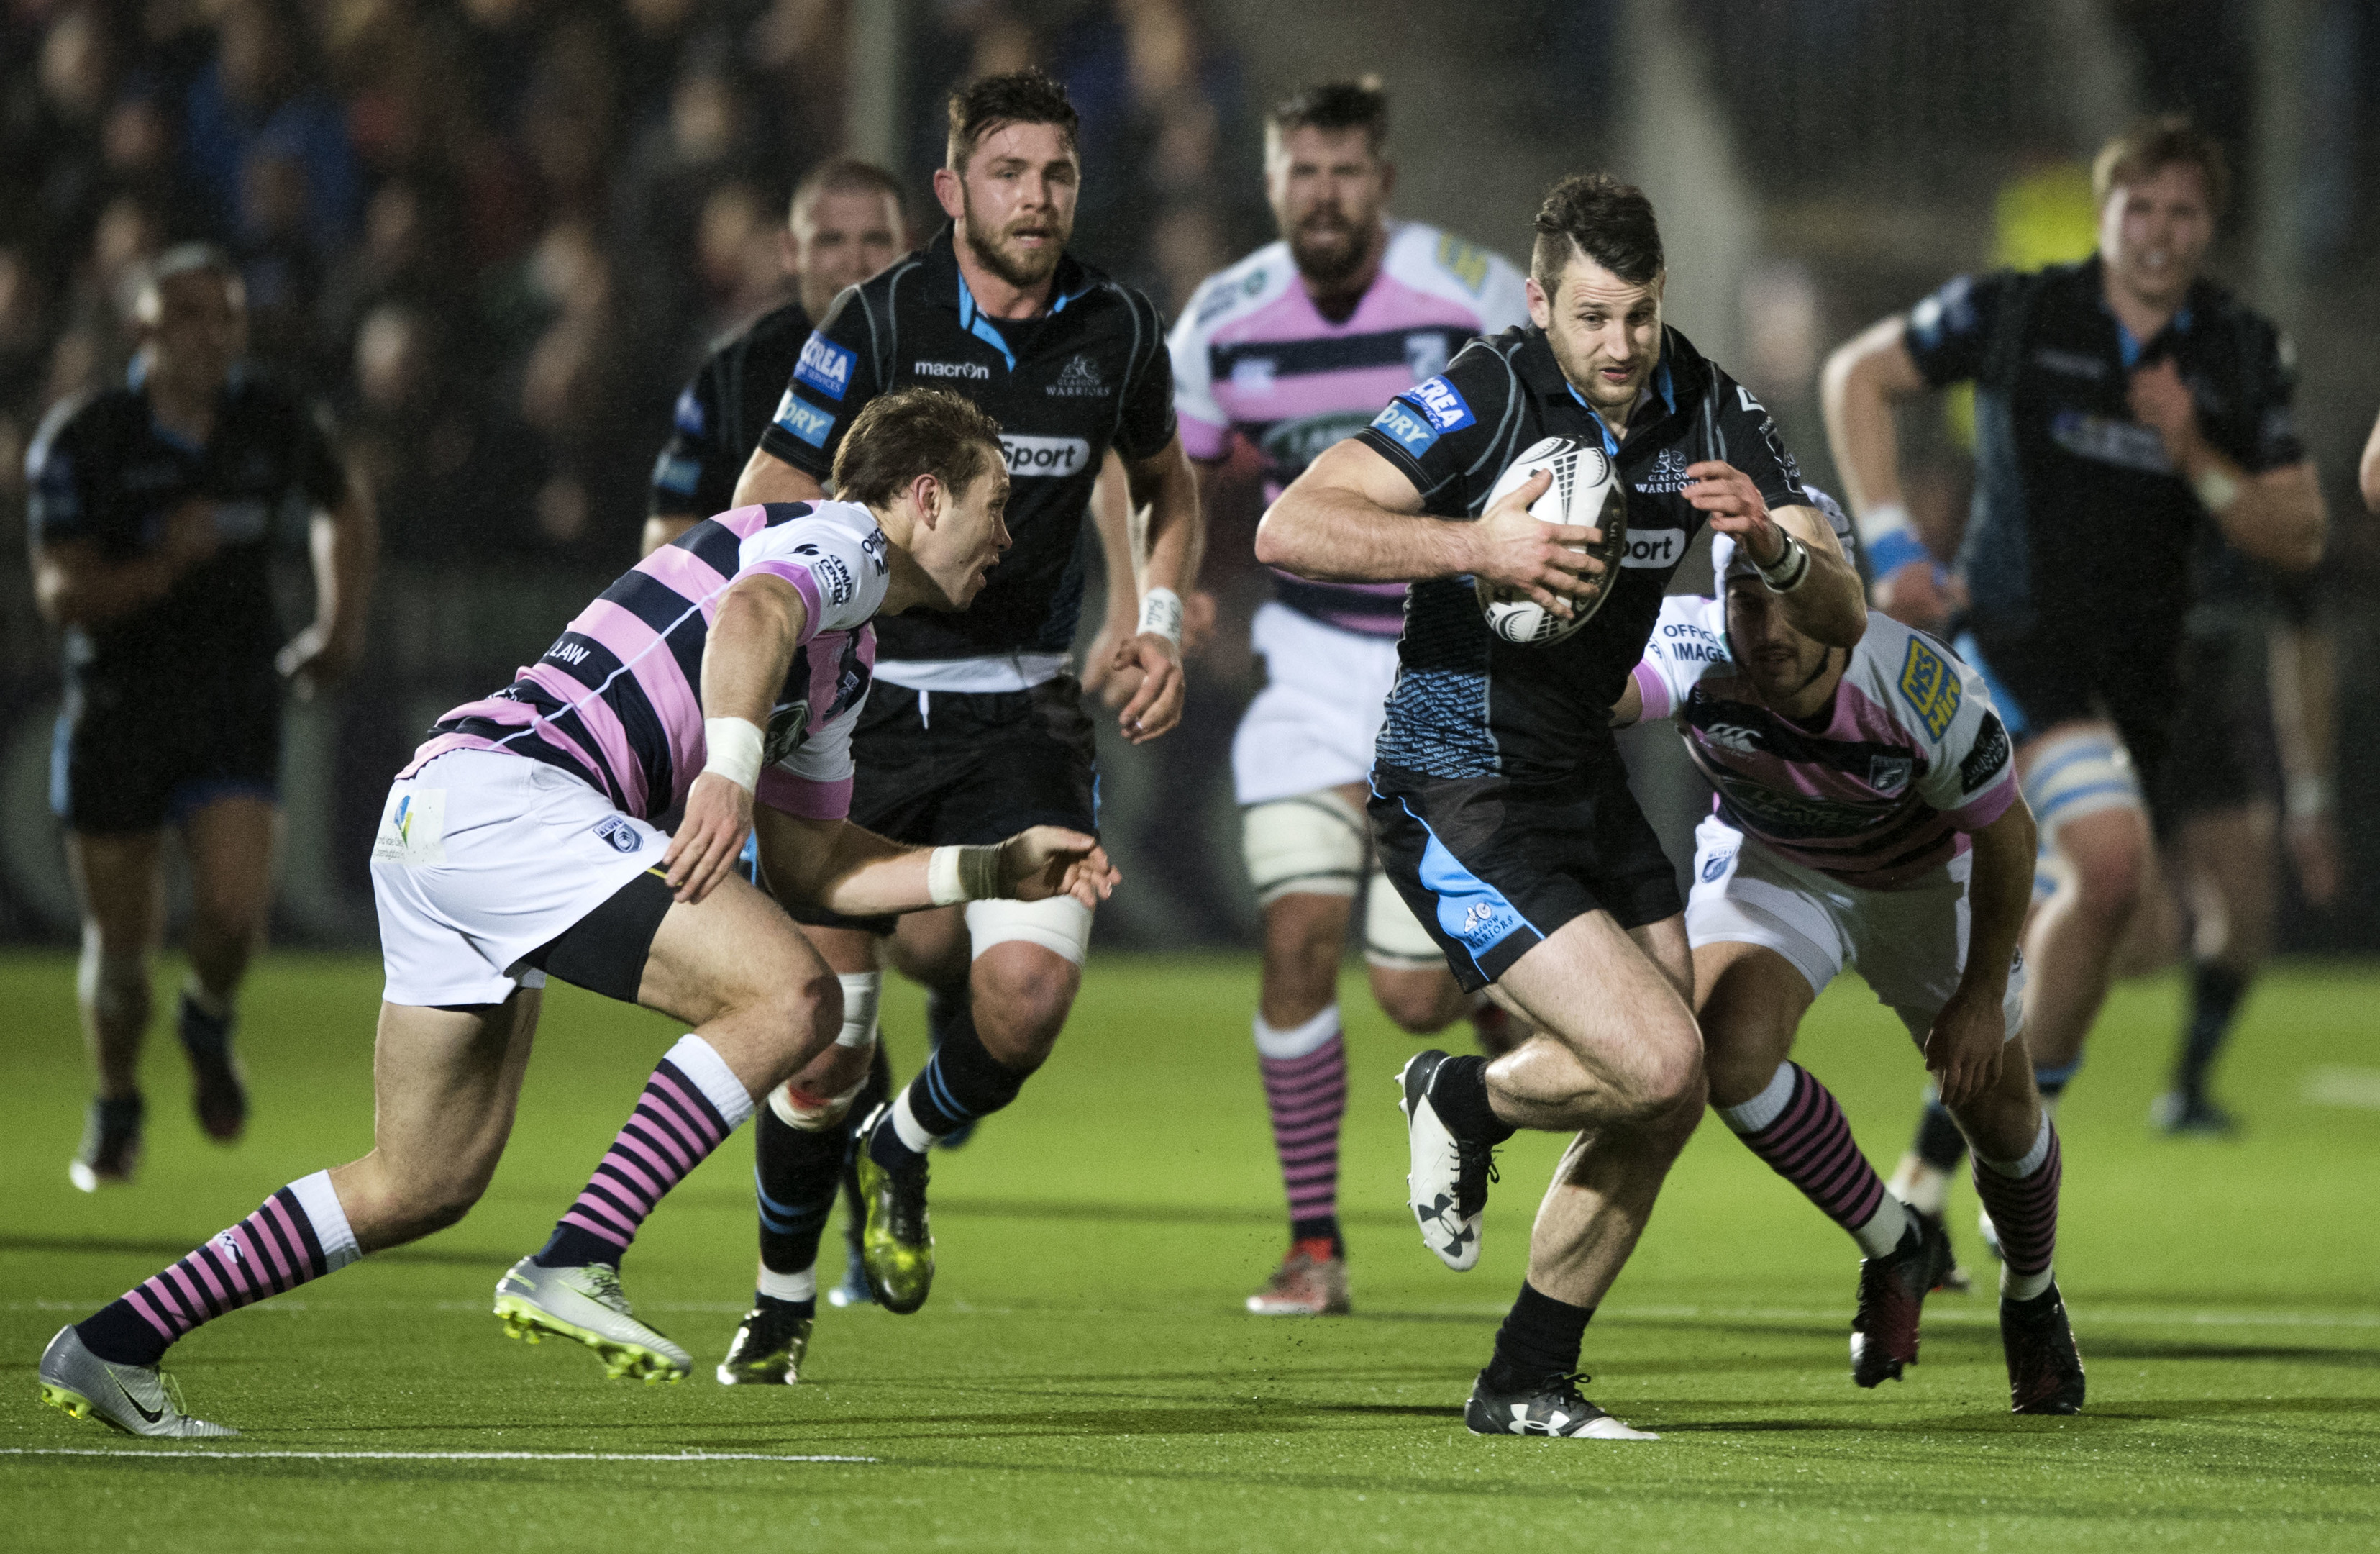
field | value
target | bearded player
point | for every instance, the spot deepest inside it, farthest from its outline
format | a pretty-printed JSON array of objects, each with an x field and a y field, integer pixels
[{"x": 1294, "y": 348}]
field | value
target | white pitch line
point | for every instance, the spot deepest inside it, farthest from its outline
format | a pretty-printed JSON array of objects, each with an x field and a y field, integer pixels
[
  {"x": 214, "y": 1455},
  {"x": 2358, "y": 1087}
]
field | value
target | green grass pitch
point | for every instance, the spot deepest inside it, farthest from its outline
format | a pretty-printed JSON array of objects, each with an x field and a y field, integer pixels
[{"x": 1084, "y": 1378}]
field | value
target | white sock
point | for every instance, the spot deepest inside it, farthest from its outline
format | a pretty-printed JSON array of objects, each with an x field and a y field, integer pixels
[
  {"x": 323, "y": 1211},
  {"x": 1883, "y": 1231},
  {"x": 2013, "y": 1287},
  {"x": 1297, "y": 1040},
  {"x": 2018, "y": 1170},
  {"x": 905, "y": 1125},
  {"x": 802, "y": 1286},
  {"x": 1752, "y": 1115},
  {"x": 699, "y": 1061}
]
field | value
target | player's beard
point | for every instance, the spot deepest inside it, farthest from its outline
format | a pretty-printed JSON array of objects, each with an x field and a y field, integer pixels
[
  {"x": 1023, "y": 270},
  {"x": 1325, "y": 264}
]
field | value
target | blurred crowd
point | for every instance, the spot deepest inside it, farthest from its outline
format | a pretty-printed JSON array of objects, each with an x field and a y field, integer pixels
[{"x": 496, "y": 236}]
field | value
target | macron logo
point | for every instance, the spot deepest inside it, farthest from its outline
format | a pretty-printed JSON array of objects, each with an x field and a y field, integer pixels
[
  {"x": 804, "y": 421},
  {"x": 824, "y": 365}
]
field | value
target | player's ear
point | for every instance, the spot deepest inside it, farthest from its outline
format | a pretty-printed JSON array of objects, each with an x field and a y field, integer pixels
[
  {"x": 948, "y": 193},
  {"x": 930, "y": 497},
  {"x": 1541, "y": 307}
]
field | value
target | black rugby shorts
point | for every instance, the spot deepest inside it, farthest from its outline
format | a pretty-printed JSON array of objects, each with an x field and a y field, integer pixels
[
  {"x": 2048, "y": 676},
  {"x": 1493, "y": 867},
  {"x": 967, "y": 768},
  {"x": 120, "y": 764},
  {"x": 2222, "y": 751}
]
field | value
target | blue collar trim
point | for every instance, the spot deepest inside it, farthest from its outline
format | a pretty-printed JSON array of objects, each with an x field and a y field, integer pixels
[
  {"x": 1610, "y": 444},
  {"x": 971, "y": 319}
]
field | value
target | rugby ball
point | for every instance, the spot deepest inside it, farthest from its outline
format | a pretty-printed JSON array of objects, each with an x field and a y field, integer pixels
[{"x": 1587, "y": 492}]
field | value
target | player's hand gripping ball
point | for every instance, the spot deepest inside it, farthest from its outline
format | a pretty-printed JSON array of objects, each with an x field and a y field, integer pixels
[{"x": 1586, "y": 492}]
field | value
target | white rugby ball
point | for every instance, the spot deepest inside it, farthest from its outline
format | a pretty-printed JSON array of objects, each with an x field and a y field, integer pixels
[{"x": 1586, "y": 492}]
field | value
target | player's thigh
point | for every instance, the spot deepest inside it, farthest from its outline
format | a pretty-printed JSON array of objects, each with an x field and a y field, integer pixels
[
  {"x": 731, "y": 952},
  {"x": 1591, "y": 987},
  {"x": 931, "y": 947},
  {"x": 2225, "y": 859},
  {"x": 119, "y": 883},
  {"x": 1752, "y": 1001},
  {"x": 232, "y": 842}
]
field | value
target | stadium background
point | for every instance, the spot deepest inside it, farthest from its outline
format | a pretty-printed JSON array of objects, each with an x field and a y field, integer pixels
[{"x": 496, "y": 234}]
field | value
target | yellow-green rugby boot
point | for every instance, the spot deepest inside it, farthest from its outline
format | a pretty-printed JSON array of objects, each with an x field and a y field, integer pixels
[
  {"x": 587, "y": 1304},
  {"x": 897, "y": 1246},
  {"x": 768, "y": 1350}
]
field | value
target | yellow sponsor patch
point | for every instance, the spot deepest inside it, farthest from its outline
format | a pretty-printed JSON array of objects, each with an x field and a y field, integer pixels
[
  {"x": 1462, "y": 261},
  {"x": 1931, "y": 686}
]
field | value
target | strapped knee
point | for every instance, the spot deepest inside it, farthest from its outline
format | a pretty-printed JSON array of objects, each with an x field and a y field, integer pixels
[
  {"x": 862, "y": 990},
  {"x": 797, "y": 1108},
  {"x": 1061, "y": 925},
  {"x": 2078, "y": 774},
  {"x": 1312, "y": 843},
  {"x": 1394, "y": 936}
]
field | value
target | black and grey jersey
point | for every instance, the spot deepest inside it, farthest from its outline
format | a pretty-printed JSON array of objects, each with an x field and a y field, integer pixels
[
  {"x": 1467, "y": 703},
  {"x": 721, "y": 415},
  {"x": 1090, "y": 375},
  {"x": 2080, "y": 520},
  {"x": 103, "y": 472}
]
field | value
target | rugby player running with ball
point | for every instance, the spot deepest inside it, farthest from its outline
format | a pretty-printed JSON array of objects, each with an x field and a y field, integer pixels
[{"x": 1499, "y": 799}]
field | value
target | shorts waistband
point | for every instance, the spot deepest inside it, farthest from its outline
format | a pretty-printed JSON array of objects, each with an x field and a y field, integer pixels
[{"x": 1004, "y": 672}]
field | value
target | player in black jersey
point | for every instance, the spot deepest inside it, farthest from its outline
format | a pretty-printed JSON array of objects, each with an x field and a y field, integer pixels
[
  {"x": 154, "y": 512},
  {"x": 847, "y": 221},
  {"x": 1499, "y": 800},
  {"x": 976, "y": 718},
  {"x": 2122, "y": 405}
]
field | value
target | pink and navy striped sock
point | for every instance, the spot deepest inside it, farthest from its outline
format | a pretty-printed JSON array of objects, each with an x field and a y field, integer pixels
[
  {"x": 691, "y": 1105},
  {"x": 1305, "y": 1073},
  {"x": 2022, "y": 1196},
  {"x": 1797, "y": 1127},
  {"x": 296, "y": 1235}
]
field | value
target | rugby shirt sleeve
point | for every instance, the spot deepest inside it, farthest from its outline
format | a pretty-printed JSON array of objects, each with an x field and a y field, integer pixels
[
  {"x": 2274, "y": 442},
  {"x": 1205, "y": 431},
  {"x": 835, "y": 564},
  {"x": 1441, "y": 432},
  {"x": 1145, "y": 420},
  {"x": 318, "y": 468},
  {"x": 57, "y": 507},
  {"x": 834, "y": 377},
  {"x": 1750, "y": 441},
  {"x": 1949, "y": 331},
  {"x": 1970, "y": 768},
  {"x": 1685, "y": 641}
]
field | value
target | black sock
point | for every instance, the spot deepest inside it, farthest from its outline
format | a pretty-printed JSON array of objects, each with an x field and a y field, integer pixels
[
  {"x": 1540, "y": 1338},
  {"x": 795, "y": 1175},
  {"x": 961, "y": 1081},
  {"x": 1457, "y": 1093},
  {"x": 855, "y": 1209},
  {"x": 570, "y": 1246},
  {"x": 1939, "y": 1143},
  {"x": 121, "y": 1336},
  {"x": 943, "y": 1006},
  {"x": 2215, "y": 993},
  {"x": 1319, "y": 1227},
  {"x": 800, "y": 1311}
]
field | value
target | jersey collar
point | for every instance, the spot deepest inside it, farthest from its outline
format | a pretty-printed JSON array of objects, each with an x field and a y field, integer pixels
[
  {"x": 1538, "y": 368},
  {"x": 2132, "y": 351},
  {"x": 949, "y": 286}
]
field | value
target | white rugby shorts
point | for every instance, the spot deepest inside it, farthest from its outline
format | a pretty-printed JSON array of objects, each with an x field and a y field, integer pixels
[
  {"x": 1910, "y": 945},
  {"x": 1314, "y": 724},
  {"x": 481, "y": 858}
]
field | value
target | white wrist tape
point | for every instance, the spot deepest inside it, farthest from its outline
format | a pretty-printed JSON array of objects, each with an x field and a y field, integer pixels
[
  {"x": 733, "y": 747},
  {"x": 2216, "y": 491},
  {"x": 957, "y": 874},
  {"x": 1160, "y": 611},
  {"x": 1789, "y": 570}
]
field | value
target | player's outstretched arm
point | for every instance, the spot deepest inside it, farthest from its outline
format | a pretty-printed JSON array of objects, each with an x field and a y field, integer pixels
[
  {"x": 1354, "y": 517},
  {"x": 1821, "y": 592},
  {"x": 767, "y": 478},
  {"x": 1862, "y": 380},
  {"x": 846, "y": 869},
  {"x": 750, "y": 647},
  {"x": 1964, "y": 1046}
]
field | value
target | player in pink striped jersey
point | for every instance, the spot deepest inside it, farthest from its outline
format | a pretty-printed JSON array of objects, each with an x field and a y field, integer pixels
[
  {"x": 1867, "y": 814},
  {"x": 1293, "y": 348},
  {"x": 523, "y": 841}
]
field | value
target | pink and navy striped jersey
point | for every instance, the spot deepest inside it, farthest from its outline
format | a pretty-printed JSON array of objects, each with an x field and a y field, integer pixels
[
  {"x": 1253, "y": 355},
  {"x": 1908, "y": 759},
  {"x": 616, "y": 701}
]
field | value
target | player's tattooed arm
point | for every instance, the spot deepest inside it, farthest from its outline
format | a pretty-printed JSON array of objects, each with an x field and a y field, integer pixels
[
  {"x": 74, "y": 582},
  {"x": 1964, "y": 1046},
  {"x": 1168, "y": 541},
  {"x": 2276, "y": 514},
  {"x": 1350, "y": 518},
  {"x": 745, "y": 660}
]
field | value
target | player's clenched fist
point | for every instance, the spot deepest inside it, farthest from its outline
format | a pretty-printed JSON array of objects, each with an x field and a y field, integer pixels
[{"x": 1544, "y": 561}]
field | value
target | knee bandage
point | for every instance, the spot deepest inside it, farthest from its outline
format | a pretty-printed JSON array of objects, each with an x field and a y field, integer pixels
[
  {"x": 2079, "y": 775},
  {"x": 1314, "y": 844},
  {"x": 114, "y": 983},
  {"x": 797, "y": 1108},
  {"x": 861, "y": 992},
  {"x": 1394, "y": 936},
  {"x": 1061, "y": 925}
]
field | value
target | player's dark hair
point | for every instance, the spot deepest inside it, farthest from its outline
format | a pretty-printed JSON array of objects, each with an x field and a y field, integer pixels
[
  {"x": 909, "y": 432},
  {"x": 1596, "y": 215},
  {"x": 846, "y": 174},
  {"x": 182, "y": 258},
  {"x": 1026, "y": 96},
  {"x": 2155, "y": 144},
  {"x": 1362, "y": 103}
]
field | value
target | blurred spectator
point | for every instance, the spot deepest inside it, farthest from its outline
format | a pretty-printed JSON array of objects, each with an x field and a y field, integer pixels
[
  {"x": 448, "y": 467},
  {"x": 258, "y": 93}
]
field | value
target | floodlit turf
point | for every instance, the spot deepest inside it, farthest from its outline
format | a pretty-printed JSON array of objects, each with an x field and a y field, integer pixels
[{"x": 1083, "y": 1377}]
